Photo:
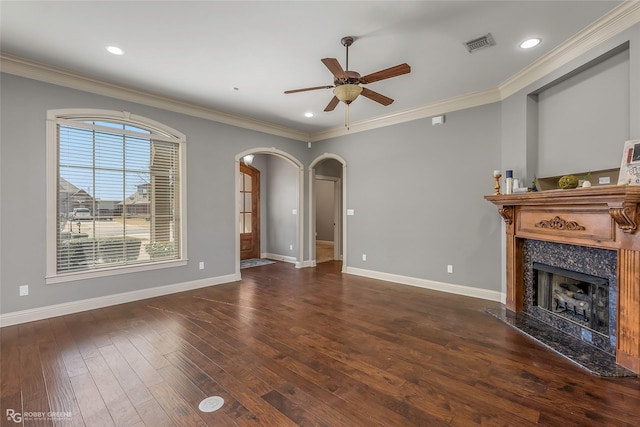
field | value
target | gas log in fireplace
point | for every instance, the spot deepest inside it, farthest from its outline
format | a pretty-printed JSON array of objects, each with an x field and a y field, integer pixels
[{"x": 600, "y": 222}]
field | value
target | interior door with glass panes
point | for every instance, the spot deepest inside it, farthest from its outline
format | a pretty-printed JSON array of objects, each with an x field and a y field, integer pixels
[{"x": 249, "y": 212}]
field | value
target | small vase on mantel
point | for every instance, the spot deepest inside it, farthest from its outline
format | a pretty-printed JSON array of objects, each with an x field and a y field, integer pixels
[{"x": 586, "y": 183}]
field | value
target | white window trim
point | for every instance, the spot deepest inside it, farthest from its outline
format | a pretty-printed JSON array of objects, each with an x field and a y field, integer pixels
[{"x": 53, "y": 118}]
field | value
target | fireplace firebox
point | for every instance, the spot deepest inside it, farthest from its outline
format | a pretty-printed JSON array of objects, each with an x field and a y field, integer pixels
[{"x": 574, "y": 296}]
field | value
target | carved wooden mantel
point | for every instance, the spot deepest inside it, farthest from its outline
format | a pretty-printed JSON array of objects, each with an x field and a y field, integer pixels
[{"x": 606, "y": 217}]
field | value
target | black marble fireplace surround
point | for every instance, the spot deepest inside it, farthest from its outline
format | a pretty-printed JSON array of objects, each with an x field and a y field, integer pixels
[
  {"x": 591, "y": 350},
  {"x": 590, "y": 261}
]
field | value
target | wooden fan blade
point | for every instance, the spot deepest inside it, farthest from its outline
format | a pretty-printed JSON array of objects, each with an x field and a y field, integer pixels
[
  {"x": 334, "y": 66},
  {"x": 375, "y": 96},
  {"x": 308, "y": 88},
  {"x": 387, "y": 73},
  {"x": 332, "y": 104}
]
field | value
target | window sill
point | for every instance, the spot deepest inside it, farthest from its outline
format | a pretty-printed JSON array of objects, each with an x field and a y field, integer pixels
[{"x": 105, "y": 272}]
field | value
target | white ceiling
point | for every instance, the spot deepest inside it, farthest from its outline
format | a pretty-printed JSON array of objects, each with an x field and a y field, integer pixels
[{"x": 199, "y": 51}]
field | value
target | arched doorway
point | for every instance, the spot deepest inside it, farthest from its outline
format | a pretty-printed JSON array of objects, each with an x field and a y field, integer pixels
[
  {"x": 327, "y": 205},
  {"x": 291, "y": 248}
]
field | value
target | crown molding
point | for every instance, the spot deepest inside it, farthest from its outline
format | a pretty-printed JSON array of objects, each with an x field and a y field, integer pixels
[
  {"x": 475, "y": 99},
  {"x": 609, "y": 25},
  {"x": 61, "y": 77}
]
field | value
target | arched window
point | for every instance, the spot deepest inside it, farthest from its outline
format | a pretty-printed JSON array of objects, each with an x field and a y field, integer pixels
[{"x": 115, "y": 187}]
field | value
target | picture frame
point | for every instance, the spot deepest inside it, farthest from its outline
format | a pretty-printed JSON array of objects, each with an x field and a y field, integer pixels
[{"x": 630, "y": 163}]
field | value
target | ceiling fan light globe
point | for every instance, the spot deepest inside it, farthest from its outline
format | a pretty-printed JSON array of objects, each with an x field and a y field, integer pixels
[{"x": 347, "y": 93}]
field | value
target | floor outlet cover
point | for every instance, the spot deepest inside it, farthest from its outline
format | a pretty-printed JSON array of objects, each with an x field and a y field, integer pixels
[{"x": 211, "y": 404}]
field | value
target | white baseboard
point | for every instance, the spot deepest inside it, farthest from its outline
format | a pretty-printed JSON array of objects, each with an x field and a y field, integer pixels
[
  {"x": 429, "y": 284},
  {"x": 284, "y": 258},
  {"x": 30, "y": 315}
]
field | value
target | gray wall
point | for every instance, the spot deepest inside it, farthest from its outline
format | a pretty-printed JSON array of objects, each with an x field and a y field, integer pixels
[
  {"x": 324, "y": 209},
  {"x": 329, "y": 167},
  {"x": 282, "y": 192},
  {"x": 417, "y": 191}
]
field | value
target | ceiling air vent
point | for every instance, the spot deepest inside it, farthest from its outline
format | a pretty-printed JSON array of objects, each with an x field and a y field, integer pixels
[{"x": 480, "y": 42}]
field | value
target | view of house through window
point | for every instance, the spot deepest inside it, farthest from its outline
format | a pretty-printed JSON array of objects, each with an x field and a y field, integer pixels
[{"x": 117, "y": 195}]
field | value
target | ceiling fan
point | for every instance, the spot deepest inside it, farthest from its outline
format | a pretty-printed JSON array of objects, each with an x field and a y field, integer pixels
[{"x": 346, "y": 83}]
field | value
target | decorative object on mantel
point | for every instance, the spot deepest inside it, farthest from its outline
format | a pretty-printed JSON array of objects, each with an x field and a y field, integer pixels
[
  {"x": 630, "y": 164},
  {"x": 568, "y": 181},
  {"x": 586, "y": 183},
  {"x": 508, "y": 183},
  {"x": 496, "y": 187}
]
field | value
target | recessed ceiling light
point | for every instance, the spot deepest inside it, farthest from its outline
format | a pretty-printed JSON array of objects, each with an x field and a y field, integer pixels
[
  {"x": 528, "y": 44},
  {"x": 115, "y": 50},
  {"x": 308, "y": 114}
]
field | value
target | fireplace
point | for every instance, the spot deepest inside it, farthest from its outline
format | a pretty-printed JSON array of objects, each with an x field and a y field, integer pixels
[
  {"x": 572, "y": 289},
  {"x": 572, "y": 296},
  {"x": 573, "y": 262}
]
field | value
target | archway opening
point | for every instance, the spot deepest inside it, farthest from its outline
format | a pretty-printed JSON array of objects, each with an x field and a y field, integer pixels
[
  {"x": 280, "y": 204},
  {"x": 327, "y": 199}
]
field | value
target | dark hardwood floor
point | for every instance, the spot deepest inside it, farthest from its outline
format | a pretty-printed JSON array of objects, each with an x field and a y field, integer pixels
[{"x": 287, "y": 347}]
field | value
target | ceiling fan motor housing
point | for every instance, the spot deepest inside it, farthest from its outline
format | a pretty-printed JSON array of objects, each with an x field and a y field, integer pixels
[{"x": 350, "y": 78}]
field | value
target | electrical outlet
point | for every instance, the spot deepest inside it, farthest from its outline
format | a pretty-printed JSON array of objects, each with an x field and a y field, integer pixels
[
  {"x": 290, "y": 247},
  {"x": 24, "y": 290},
  {"x": 201, "y": 265},
  {"x": 449, "y": 268},
  {"x": 364, "y": 257}
]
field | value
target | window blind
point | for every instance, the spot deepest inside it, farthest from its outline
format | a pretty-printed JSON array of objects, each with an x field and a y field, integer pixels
[{"x": 117, "y": 196}]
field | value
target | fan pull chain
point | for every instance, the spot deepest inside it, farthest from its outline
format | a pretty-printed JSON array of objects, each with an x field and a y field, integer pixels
[{"x": 346, "y": 116}]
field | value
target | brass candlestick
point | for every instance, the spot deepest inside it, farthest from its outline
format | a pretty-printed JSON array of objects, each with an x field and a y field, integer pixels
[{"x": 496, "y": 187}]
